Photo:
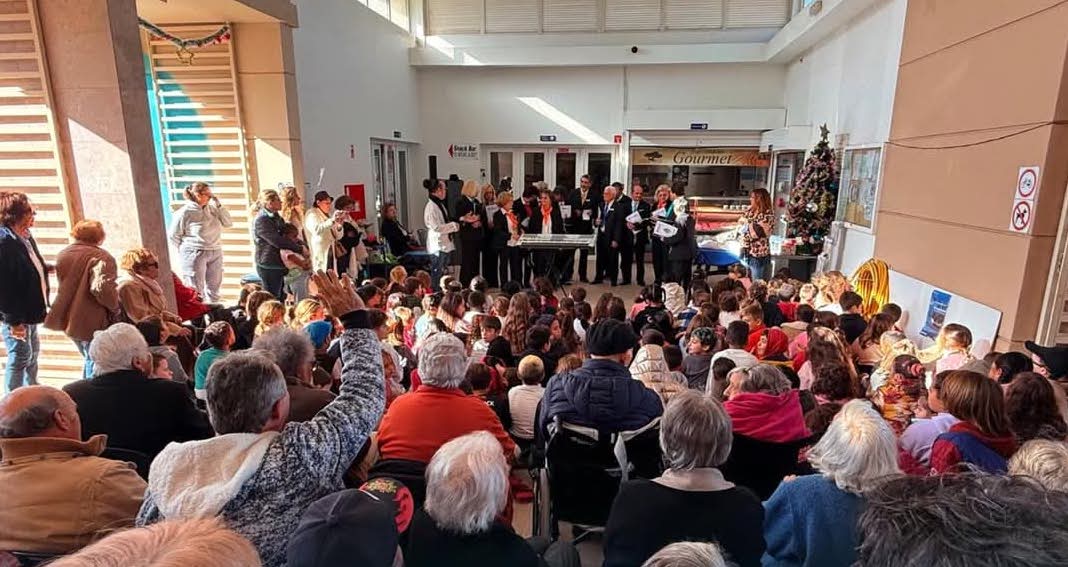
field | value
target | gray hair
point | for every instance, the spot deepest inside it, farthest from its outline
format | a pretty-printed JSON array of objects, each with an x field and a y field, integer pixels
[
  {"x": 442, "y": 361},
  {"x": 291, "y": 350},
  {"x": 765, "y": 378},
  {"x": 30, "y": 420},
  {"x": 695, "y": 432},
  {"x": 116, "y": 347},
  {"x": 859, "y": 449},
  {"x": 241, "y": 388},
  {"x": 687, "y": 554},
  {"x": 1043, "y": 460},
  {"x": 467, "y": 483}
]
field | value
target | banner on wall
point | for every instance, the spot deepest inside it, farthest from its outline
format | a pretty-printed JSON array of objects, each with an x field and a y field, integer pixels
[
  {"x": 463, "y": 151},
  {"x": 736, "y": 157},
  {"x": 936, "y": 313}
]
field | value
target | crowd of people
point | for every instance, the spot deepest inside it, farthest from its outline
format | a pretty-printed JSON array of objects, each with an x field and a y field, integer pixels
[{"x": 392, "y": 422}]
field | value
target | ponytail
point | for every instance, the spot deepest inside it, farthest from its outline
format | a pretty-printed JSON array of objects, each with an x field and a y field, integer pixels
[{"x": 193, "y": 189}]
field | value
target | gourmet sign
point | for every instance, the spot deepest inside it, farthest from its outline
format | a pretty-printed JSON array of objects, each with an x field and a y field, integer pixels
[{"x": 699, "y": 157}]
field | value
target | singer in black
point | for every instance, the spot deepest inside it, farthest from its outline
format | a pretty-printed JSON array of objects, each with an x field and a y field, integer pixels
[
  {"x": 638, "y": 238},
  {"x": 469, "y": 213},
  {"x": 506, "y": 231},
  {"x": 585, "y": 209},
  {"x": 545, "y": 219},
  {"x": 611, "y": 225}
]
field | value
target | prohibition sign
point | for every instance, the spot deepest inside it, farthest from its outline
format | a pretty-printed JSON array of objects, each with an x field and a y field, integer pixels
[
  {"x": 1025, "y": 186},
  {"x": 1021, "y": 216}
]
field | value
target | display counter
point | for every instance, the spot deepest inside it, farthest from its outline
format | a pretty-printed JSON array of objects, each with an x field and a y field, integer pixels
[{"x": 713, "y": 215}]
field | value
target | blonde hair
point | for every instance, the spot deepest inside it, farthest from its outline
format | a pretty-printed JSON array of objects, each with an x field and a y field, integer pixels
[
  {"x": 504, "y": 198},
  {"x": 398, "y": 274},
  {"x": 88, "y": 231},
  {"x": 470, "y": 189},
  {"x": 168, "y": 544},
  {"x": 292, "y": 210},
  {"x": 303, "y": 312},
  {"x": 264, "y": 197},
  {"x": 487, "y": 188},
  {"x": 270, "y": 314},
  {"x": 136, "y": 259}
]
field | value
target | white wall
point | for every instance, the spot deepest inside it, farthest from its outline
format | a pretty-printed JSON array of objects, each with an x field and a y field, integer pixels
[
  {"x": 848, "y": 82},
  {"x": 354, "y": 84}
]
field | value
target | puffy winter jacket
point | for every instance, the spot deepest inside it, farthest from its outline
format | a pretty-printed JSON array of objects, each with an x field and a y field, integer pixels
[
  {"x": 599, "y": 394},
  {"x": 650, "y": 368}
]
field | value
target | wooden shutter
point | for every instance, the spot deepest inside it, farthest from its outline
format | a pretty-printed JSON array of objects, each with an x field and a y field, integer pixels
[
  {"x": 454, "y": 16},
  {"x": 621, "y": 15},
  {"x": 693, "y": 14},
  {"x": 29, "y": 160},
  {"x": 570, "y": 15},
  {"x": 200, "y": 124},
  {"x": 757, "y": 13},
  {"x": 512, "y": 16}
]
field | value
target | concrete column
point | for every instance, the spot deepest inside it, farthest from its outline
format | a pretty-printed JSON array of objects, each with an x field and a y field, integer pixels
[
  {"x": 93, "y": 50},
  {"x": 267, "y": 88},
  {"x": 982, "y": 90}
]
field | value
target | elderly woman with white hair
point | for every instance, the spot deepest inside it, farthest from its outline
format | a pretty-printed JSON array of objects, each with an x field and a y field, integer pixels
[
  {"x": 192, "y": 542},
  {"x": 688, "y": 554},
  {"x": 467, "y": 489},
  {"x": 1043, "y": 460},
  {"x": 812, "y": 520},
  {"x": 135, "y": 412},
  {"x": 691, "y": 501},
  {"x": 417, "y": 424}
]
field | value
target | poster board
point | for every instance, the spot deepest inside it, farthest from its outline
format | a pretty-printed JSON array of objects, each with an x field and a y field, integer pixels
[
  {"x": 859, "y": 186},
  {"x": 915, "y": 299}
]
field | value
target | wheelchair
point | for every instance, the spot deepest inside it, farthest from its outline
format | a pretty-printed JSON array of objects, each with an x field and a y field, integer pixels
[{"x": 580, "y": 471}]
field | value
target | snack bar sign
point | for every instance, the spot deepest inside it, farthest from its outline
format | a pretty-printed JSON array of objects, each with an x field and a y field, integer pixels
[
  {"x": 1023, "y": 202},
  {"x": 463, "y": 151}
]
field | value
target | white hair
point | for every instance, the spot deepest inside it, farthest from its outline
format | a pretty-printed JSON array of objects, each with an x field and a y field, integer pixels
[
  {"x": 695, "y": 432},
  {"x": 1043, "y": 460},
  {"x": 442, "y": 361},
  {"x": 687, "y": 554},
  {"x": 467, "y": 483},
  {"x": 116, "y": 347},
  {"x": 858, "y": 450}
]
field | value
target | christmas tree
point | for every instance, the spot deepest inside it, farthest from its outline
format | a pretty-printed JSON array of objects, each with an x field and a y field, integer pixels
[{"x": 813, "y": 198}]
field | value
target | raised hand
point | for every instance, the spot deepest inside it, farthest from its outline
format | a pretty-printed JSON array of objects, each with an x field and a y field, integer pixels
[{"x": 339, "y": 294}]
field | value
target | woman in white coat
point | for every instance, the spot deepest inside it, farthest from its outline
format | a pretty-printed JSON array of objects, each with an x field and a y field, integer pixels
[
  {"x": 440, "y": 229},
  {"x": 322, "y": 229}
]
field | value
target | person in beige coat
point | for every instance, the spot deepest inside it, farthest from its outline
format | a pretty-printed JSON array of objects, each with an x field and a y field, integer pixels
[
  {"x": 87, "y": 299},
  {"x": 650, "y": 367},
  {"x": 323, "y": 229},
  {"x": 141, "y": 296},
  {"x": 58, "y": 494}
]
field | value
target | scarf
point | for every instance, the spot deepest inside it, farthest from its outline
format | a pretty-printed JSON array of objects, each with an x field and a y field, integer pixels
[
  {"x": 767, "y": 417},
  {"x": 547, "y": 215},
  {"x": 150, "y": 283},
  {"x": 441, "y": 205},
  {"x": 512, "y": 220}
]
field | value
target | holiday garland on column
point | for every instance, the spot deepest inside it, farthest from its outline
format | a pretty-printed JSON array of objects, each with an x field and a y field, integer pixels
[
  {"x": 185, "y": 55},
  {"x": 813, "y": 198}
]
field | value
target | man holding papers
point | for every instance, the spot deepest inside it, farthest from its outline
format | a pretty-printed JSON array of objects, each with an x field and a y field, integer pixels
[
  {"x": 637, "y": 236},
  {"x": 585, "y": 206},
  {"x": 610, "y": 232}
]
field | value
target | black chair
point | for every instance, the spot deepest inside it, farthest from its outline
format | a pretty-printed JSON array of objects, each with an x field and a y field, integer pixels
[
  {"x": 761, "y": 465},
  {"x": 410, "y": 473},
  {"x": 583, "y": 470},
  {"x": 140, "y": 460}
]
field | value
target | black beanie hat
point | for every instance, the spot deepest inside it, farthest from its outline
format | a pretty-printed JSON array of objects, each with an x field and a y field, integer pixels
[{"x": 609, "y": 336}]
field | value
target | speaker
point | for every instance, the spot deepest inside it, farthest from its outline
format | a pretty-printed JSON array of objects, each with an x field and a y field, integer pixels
[{"x": 432, "y": 165}]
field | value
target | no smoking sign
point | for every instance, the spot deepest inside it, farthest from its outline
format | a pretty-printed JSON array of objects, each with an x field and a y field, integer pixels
[{"x": 1023, "y": 203}]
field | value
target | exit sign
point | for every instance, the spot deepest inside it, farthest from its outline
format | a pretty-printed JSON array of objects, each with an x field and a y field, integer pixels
[
  {"x": 699, "y": 126},
  {"x": 548, "y": 138}
]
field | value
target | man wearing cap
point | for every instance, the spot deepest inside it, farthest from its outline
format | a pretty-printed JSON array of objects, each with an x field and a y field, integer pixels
[
  {"x": 601, "y": 393},
  {"x": 1051, "y": 362}
]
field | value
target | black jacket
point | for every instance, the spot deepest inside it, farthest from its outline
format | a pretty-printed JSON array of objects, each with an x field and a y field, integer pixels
[
  {"x": 683, "y": 246},
  {"x": 556, "y": 221},
  {"x": 269, "y": 241},
  {"x": 137, "y": 413},
  {"x": 592, "y": 203},
  {"x": 499, "y": 233},
  {"x": 399, "y": 241},
  {"x": 21, "y": 300},
  {"x": 641, "y": 231},
  {"x": 852, "y": 325},
  {"x": 432, "y": 546},
  {"x": 469, "y": 233},
  {"x": 613, "y": 223}
]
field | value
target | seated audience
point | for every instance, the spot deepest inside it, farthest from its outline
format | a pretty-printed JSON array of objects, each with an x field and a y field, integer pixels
[
  {"x": 602, "y": 393},
  {"x": 292, "y": 352},
  {"x": 219, "y": 337},
  {"x": 967, "y": 520},
  {"x": 246, "y": 322},
  {"x": 420, "y": 422},
  {"x": 768, "y": 427},
  {"x": 851, "y": 321},
  {"x": 160, "y": 370},
  {"x": 691, "y": 501},
  {"x": 983, "y": 437},
  {"x": 737, "y": 338},
  {"x": 867, "y": 349},
  {"x": 459, "y": 525},
  {"x": 567, "y": 363},
  {"x": 688, "y": 554},
  {"x": 918, "y": 438},
  {"x": 952, "y": 348},
  {"x": 496, "y": 344},
  {"x": 141, "y": 294},
  {"x": 155, "y": 334},
  {"x": 259, "y": 473},
  {"x": 765, "y": 343},
  {"x": 900, "y": 398},
  {"x": 135, "y": 412},
  {"x": 1007, "y": 365},
  {"x": 697, "y": 363},
  {"x": 810, "y": 520},
  {"x": 793, "y": 329},
  {"x": 167, "y": 544},
  {"x": 654, "y": 313},
  {"x": 673, "y": 357},
  {"x": 523, "y": 399},
  {"x": 270, "y": 315},
  {"x": 719, "y": 374},
  {"x": 1032, "y": 409},
  {"x": 539, "y": 344},
  {"x": 46, "y": 472},
  {"x": 771, "y": 315},
  {"x": 650, "y": 368},
  {"x": 483, "y": 386},
  {"x": 1043, "y": 460}
]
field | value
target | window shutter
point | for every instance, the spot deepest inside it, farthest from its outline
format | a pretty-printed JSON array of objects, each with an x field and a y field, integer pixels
[
  {"x": 398, "y": 13},
  {"x": 623, "y": 15},
  {"x": 757, "y": 13},
  {"x": 570, "y": 15},
  {"x": 454, "y": 16},
  {"x": 511, "y": 16},
  {"x": 693, "y": 14}
]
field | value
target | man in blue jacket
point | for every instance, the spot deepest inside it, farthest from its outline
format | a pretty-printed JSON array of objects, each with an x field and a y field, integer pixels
[{"x": 601, "y": 393}]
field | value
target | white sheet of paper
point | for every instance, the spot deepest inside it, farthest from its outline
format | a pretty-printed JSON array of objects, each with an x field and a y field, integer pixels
[
  {"x": 587, "y": 215},
  {"x": 565, "y": 211},
  {"x": 491, "y": 210},
  {"x": 525, "y": 223},
  {"x": 634, "y": 218},
  {"x": 660, "y": 213},
  {"x": 449, "y": 228},
  {"x": 665, "y": 230}
]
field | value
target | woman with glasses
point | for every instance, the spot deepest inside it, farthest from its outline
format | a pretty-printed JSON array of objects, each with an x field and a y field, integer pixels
[
  {"x": 23, "y": 290},
  {"x": 141, "y": 296}
]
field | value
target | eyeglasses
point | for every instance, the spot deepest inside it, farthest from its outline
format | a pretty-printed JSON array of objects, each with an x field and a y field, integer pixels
[{"x": 152, "y": 265}]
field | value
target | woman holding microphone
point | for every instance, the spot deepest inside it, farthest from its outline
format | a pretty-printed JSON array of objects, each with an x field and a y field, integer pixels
[
  {"x": 323, "y": 229},
  {"x": 196, "y": 231}
]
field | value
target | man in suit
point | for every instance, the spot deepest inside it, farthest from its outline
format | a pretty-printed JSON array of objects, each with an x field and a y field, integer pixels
[
  {"x": 585, "y": 209},
  {"x": 637, "y": 236},
  {"x": 523, "y": 209},
  {"x": 610, "y": 233}
]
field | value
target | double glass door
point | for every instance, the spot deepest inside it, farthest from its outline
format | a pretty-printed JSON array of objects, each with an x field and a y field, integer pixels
[
  {"x": 390, "y": 163},
  {"x": 559, "y": 167}
]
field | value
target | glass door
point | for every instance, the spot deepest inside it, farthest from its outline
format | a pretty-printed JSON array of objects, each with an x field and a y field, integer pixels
[
  {"x": 557, "y": 166},
  {"x": 599, "y": 168},
  {"x": 500, "y": 168},
  {"x": 533, "y": 168},
  {"x": 390, "y": 165},
  {"x": 566, "y": 166}
]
